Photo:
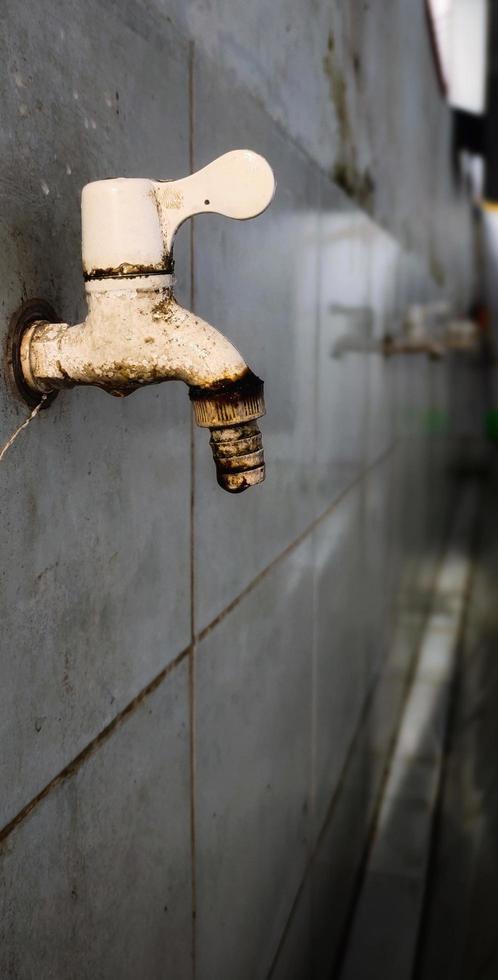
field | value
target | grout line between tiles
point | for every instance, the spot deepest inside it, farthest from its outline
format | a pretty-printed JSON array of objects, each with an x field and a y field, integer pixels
[
  {"x": 293, "y": 545},
  {"x": 192, "y": 307},
  {"x": 334, "y": 801},
  {"x": 92, "y": 746},
  {"x": 288, "y": 136},
  {"x": 314, "y": 598},
  {"x": 336, "y": 796},
  {"x": 193, "y": 881},
  {"x": 437, "y": 763},
  {"x": 320, "y": 169},
  {"x": 290, "y": 917},
  {"x": 362, "y": 867},
  {"x": 341, "y": 782},
  {"x": 423, "y": 924},
  {"x": 192, "y": 655}
]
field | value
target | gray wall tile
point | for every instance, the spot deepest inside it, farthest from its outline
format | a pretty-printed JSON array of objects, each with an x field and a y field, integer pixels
[
  {"x": 94, "y": 497},
  {"x": 386, "y": 921},
  {"x": 95, "y": 883},
  {"x": 342, "y": 378},
  {"x": 295, "y": 956},
  {"x": 258, "y": 282},
  {"x": 338, "y": 858},
  {"x": 352, "y": 85},
  {"x": 340, "y": 674},
  {"x": 253, "y": 720}
]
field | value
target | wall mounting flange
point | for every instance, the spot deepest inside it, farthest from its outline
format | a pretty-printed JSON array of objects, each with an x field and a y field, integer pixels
[{"x": 31, "y": 311}]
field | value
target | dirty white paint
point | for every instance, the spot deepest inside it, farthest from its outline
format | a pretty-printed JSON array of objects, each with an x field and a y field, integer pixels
[{"x": 135, "y": 334}]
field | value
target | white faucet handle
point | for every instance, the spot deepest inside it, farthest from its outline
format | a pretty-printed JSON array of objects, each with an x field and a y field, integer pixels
[
  {"x": 240, "y": 184},
  {"x": 128, "y": 223}
]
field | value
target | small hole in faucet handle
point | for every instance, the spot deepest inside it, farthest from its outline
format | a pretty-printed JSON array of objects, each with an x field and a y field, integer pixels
[{"x": 207, "y": 202}]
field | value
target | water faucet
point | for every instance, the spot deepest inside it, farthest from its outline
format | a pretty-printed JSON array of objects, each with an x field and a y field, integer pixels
[
  {"x": 135, "y": 333},
  {"x": 419, "y": 331}
]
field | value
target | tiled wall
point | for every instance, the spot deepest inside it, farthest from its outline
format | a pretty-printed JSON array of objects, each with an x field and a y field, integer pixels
[{"x": 199, "y": 692}]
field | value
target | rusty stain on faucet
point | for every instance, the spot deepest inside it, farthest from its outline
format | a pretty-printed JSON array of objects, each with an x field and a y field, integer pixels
[{"x": 131, "y": 270}]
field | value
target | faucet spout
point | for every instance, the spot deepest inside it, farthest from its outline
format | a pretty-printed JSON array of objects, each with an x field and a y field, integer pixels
[{"x": 136, "y": 334}]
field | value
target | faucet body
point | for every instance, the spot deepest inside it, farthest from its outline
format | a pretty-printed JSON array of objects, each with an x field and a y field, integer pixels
[{"x": 135, "y": 333}]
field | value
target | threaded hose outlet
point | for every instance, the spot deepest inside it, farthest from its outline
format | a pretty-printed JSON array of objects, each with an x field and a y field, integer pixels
[
  {"x": 230, "y": 411},
  {"x": 238, "y": 455}
]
